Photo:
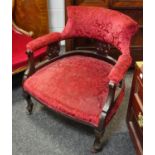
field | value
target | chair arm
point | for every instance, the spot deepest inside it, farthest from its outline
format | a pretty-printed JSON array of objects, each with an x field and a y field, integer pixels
[
  {"x": 118, "y": 71},
  {"x": 116, "y": 104},
  {"x": 36, "y": 44},
  {"x": 43, "y": 41},
  {"x": 107, "y": 105}
]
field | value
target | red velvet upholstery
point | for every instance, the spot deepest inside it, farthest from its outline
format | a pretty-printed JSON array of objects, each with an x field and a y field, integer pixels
[
  {"x": 19, "y": 58},
  {"x": 76, "y": 86},
  {"x": 43, "y": 41},
  {"x": 106, "y": 25},
  {"x": 99, "y": 23}
]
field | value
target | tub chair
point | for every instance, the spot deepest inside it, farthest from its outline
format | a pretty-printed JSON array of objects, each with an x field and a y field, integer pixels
[{"x": 81, "y": 84}]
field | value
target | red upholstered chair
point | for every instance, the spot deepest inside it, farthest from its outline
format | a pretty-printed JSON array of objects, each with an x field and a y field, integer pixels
[
  {"x": 19, "y": 58},
  {"x": 81, "y": 84}
]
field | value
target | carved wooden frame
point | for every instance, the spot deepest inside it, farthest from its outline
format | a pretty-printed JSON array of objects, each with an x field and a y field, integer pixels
[{"x": 53, "y": 55}]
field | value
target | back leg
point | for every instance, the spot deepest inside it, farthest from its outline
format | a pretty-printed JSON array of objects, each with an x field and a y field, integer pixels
[{"x": 29, "y": 103}]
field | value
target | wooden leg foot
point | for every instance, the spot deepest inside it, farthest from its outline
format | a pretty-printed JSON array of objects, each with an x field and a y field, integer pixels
[
  {"x": 98, "y": 144},
  {"x": 29, "y": 103},
  {"x": 29, "y": 108}
]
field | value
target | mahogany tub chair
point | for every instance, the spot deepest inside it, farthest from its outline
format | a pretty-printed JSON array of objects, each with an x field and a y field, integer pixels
[
  {"x": 19, "y": 58},
  {"x": 81, "y": 85}
]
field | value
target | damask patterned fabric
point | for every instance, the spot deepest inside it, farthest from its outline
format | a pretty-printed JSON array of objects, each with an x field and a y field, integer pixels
[{"x": 105, "y": 25}]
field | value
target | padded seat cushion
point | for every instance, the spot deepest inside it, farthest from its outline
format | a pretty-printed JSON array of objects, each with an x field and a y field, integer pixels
[
  {"x": 75, "y": 85},
  {"x": 19, "y": 58}
]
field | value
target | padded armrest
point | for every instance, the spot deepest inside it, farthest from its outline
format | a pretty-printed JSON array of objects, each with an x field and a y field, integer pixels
[
  {"x": 118, "y": 71},
  {"x": 43, "y": 41}
]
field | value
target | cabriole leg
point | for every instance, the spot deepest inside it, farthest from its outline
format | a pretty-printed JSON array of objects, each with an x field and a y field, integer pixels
[{"x": 98, "y": 143}]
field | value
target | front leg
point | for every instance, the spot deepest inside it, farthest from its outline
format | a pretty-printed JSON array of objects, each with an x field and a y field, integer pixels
[
  {"x": 29, "y": 103},
  {"x": 98, "y": 143}
]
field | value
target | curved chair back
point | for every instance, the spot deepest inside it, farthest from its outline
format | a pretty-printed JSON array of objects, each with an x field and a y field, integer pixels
[
  {"x": 102, "y": 24},
  {"x": 107, "y": 26}
]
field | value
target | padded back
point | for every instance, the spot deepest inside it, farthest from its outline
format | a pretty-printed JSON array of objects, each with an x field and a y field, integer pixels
[{"x": 99, "y": 23}]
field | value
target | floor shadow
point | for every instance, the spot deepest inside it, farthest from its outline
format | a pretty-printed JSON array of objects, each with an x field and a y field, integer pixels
[{"x": 17, "y": 80}]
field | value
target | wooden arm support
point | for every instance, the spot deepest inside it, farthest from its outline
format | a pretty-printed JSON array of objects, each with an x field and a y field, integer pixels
[
  {"x": 31, "y": 65},
  {"x": 52, "y": 51},
  {"x": 107, "y": 105},
  {"x": 111, "y": 104}
]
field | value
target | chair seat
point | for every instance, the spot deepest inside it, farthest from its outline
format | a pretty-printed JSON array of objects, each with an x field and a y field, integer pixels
[
  {"x": 19, "y": 58},
  {"x": 76, "y": 86}
]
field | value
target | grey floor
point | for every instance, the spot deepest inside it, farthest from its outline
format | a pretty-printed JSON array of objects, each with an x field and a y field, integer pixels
[{"x": 46, "y": 133}]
